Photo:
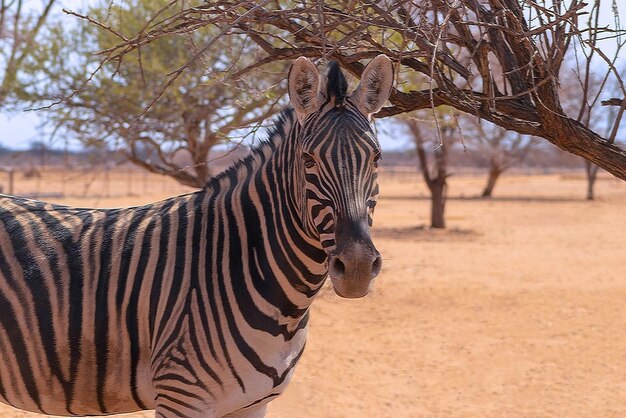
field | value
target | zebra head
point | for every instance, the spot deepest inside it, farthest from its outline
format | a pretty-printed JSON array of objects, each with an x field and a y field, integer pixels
[{"x": 339, "y": 154}]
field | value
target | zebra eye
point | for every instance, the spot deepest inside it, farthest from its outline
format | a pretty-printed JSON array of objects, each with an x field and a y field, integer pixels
[
  {"x": 376, "y": 160},
  {"x": 309, "y": 161}
]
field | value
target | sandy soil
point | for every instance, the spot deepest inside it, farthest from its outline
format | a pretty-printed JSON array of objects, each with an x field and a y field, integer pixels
[{"x": 517, "y": 310}]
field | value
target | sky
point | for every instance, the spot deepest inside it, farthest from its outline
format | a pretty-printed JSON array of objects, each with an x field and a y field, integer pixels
[{"x": 19, "y": 129}]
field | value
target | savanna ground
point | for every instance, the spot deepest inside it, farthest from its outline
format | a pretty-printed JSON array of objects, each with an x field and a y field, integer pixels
[{"x": 517, "y": 310}]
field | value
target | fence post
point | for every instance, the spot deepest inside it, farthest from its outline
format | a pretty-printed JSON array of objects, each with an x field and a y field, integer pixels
[
  {"x": 129, "y": 183},
  {"x": 11, "y": 180}
]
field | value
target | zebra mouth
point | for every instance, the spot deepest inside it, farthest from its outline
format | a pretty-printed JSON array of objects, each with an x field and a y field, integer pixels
[{"x": 350, "y": 294}]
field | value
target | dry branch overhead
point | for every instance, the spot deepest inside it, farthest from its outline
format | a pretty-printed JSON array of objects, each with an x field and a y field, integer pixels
[
  {"x": 499, "y": 60},
  {"x": 613, "y": 102}
]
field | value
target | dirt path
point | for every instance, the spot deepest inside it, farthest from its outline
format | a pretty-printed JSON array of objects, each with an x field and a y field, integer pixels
[{"x": 518, "y": 310}]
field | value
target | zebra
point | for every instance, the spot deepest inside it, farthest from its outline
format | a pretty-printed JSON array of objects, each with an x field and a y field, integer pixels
[{"x": 196, "y": 306}]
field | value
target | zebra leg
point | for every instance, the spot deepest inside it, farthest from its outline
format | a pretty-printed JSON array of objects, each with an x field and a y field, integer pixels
[
  {"x": 176, "y": 399},
  {"x": 168, "y": 410},
  {"x": 257, "y": 411},
  {"x": 188, "y": 411}
]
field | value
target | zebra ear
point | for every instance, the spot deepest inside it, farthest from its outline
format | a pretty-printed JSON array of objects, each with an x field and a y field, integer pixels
[
  {"x": 375, "y": 86},
  {"x": 304, "y": 87}
]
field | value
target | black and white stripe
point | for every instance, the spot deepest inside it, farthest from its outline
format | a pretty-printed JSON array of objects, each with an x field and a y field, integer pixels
[{"x": 195, "y": 306}]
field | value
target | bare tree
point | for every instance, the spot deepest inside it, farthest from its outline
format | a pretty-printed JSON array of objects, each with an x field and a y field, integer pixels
[
  {"x": 434, "y": 169},
  {"x": 458, "y": 48},
  {"x": 582, "y": 93},
  {"x": 503, "y": 149}
]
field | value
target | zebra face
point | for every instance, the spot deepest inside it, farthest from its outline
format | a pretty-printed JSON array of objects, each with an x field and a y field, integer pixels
[{"x": 339, "y": 154}]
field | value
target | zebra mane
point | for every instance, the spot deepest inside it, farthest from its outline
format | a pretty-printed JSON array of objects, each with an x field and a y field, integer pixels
[
  {"x": 275, "y": 133},
  {"x": 336, "y": 84}
]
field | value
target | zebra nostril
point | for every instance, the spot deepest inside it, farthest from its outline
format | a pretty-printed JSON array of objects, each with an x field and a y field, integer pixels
[
  {"x": 337, "y": 268},
  {"x": 377, "y": 266}
]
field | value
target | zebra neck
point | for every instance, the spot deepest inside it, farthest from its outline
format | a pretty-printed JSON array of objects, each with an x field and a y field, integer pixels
[
  {"x": 257, "y": 207},
  {"x": 302, "y": 266}
]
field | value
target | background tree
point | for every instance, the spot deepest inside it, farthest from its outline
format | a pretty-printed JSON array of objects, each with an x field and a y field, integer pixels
[
  {"x": 582, "y": 93},
  {"x": 20, "y": 30},
  {"x": 432, "y": 156},
  {"x": 501, "y": 148},
  {"x": 500, "y": 60},
  {"x": 175, "y": 135}
]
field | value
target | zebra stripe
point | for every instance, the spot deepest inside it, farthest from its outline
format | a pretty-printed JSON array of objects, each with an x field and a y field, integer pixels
[{"x": 196, "y": 305}]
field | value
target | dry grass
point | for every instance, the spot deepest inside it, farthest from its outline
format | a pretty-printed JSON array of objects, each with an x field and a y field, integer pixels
[{"x": 517, "y": 310}]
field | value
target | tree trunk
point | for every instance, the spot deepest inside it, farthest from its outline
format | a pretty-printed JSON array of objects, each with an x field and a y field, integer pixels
[
  {"x": 494, "y": 174},
  {"x": 592, "y": 172},
  {"x": 201, "y": 167},
  {"x": 437, "y": 180},
  {"x": 438, "y": 204},
  {"x": 438, "y": 187}
]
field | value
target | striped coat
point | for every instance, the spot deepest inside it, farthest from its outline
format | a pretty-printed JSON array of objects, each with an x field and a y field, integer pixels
[{"x": 196, "y": 305}]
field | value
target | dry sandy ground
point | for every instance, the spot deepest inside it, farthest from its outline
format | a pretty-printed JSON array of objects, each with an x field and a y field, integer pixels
[{"x": 517, "y": 310}]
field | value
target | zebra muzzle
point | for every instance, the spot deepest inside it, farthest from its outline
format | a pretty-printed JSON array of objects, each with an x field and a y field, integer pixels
[{"x": 353, "y": 267}]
